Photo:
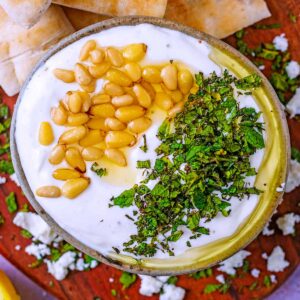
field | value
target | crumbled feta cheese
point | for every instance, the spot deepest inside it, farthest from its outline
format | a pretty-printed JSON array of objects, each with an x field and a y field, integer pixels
[
  {"x": 287, "y": 223},
  {"x": 81, "y": 265},
  {"x": 293, "y": 106},
  {"x": 261, "y": 67},
  {"x": 255, "y": 273},
  {"x": 172, "y": 292},
  {"x": 38, "y": 250},
  {"x": 280, "y": 189},
  {"x": 236, "y": 261},
  {"x": 59, "y": 269},
  {"x": 58, "y": 239},
  {"x": 267, "y": 231},
  {"x": 276, "y": 261},
  {"x": 18, "y": 248},
  {"x": 293, "y": 69},
  {"x": 293, "y": 179},
  {"x": 264, "y": 255},
  {"x": 2, "y": 180},
  {"x": 93, "y": 264},
  {"x": 111, "y": 280},
  {"x": 72, "y": 267},
  {"x": 220, "y": 278},
  {"x": 35, "y": 225},
  {"x": 149, "y": 285},
  {"x": 281, "y": 43},
  {"x": 273, "y": 278},
  {"x": 14, "y": 178},
  {"x": 163, "y": 278}
]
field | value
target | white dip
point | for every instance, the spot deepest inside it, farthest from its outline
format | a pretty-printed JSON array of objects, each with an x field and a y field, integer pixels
[{"x": 88, "y": 217}]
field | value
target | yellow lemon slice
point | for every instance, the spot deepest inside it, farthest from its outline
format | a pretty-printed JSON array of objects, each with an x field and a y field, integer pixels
[{"x": 7, "y": 290}]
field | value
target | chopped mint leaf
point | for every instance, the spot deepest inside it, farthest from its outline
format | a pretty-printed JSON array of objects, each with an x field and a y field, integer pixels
[
  {"x": 1, "y": 219},
  {"x": 295, "y": 153},
  {"x": 127, "y": 279},
  {"x": 11, "y": 203},
  {"x": 26, "y": 234},
  {"x": 210, "y": 288},
  {"x": 99, "y": 171},
  {"x": 144, "y": 148},
  {"x": 293, "y": 18},
  {"x": 67, "y": 247},
  {"x": 253, "y": 286},
  {"x": 6, "y": 167},
  {"x": 125, "y": 199},
  {"x": 267, "y": 281},
  {"x": 113, "y": 292},
  {"x": 25, "y": 208},
  {"x": 36, "y": 264},
  {"x": 249, "y": 82},
  {"x": 267, "y": 26},
  {"x": 172, "y": 280},
  {"x": 4, "y": 111},
  {"x": 253, "y": 137},
  {"x": 55, "y": 254},
  {"x": 143, "y": 164}
]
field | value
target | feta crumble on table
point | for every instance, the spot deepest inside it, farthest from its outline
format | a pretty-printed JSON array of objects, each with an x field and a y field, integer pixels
[
  {"x": 17, "y": 247},
  {"x": 261, "y": 67},
  {"x": 293, "y": 179},
  {"x": 287, "y": 223},
  {"x": 149, "y": 285},
  {"x": 14, "y": 178},
  {"x": 273, "y": 278},
  {"x": 2, "y": 180},
  {"x": 293, "y": 69},
  {"x": 267, "y": 231},
  {"x": 35, "y": 225},
  {"x": 236, "y": 261},
  {"x": 280, "y": 42},
  {"x": 60, "y": 268},
  {"x": 293, "y": 106},
  {"x": 276, "y": 260},
  {"x": 38, "y": 250},
  {"x": 172, "y": 292},
  {"x": 81, "y": 265},
  {"x": 255, "y": 273},
  {"x": 220, "y": 278}
]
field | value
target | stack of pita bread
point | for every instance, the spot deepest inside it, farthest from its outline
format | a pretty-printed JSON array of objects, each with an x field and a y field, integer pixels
[{"x": 29, "y": 27}]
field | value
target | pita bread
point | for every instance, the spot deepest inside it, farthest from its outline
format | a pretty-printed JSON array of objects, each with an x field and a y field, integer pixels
[
  {"x": 25, "y": 12},
  {"x": 155, "y": 8},
  {"x": 21, "y": 48},
  {"x": 219, "y": 18},
  {"x": 80, "y": 18}
]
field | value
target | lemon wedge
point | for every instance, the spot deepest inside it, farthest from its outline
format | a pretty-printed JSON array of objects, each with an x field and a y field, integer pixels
[{"x": 7, "y": 290}]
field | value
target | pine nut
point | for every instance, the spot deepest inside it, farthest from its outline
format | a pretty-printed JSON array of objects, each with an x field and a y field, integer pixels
[
  {"x": 185, "y": 81},
  {"x": 86, "y": 101},
  {"x": 75, "y": 160},
  {"x": 50, "y": 191},
  {"x": 46, "y": 136},
  {"x": 113, "y": 89},
  {"x": 133, "y": 70},
  {"x": 65, "y": 174},
  {"x": 58, "y": 115},
  {"x": 102, "y": 145},
  {"x": 97, "y": 123},
  {"x": 169, "y": 76},
  {"x": 128, "y": 113},
  {"x": 135, "y": 52},
  {"x": 142, "y": 95},
  {"x": 101, "y": 99},
  {"x": 115, "y": 57},
  {"x": 86, "y": 49},
  {"x": 118, "y": 77},
  {"x": 163, "y": 101},
  {"x": 176, "y": 95},
  {"x": 77, "y": 119},
  {"x": 149, "y": 88},
  {"x": 57, "y": 154},
  {"x": 139, "y": 125},
  {"x": 82, "y": 75},
  {"x": 73, "y": 187},
  {"x": 92, "y": 138},
  {"x": 75, "y": 102},
  {"x": 90, "y": 88},
  {"x": 151, "y": 74},
  {"x": 123, "y": 100},
  {"x": 66, "y": 76},
  {"x": 116, "y": 156},
  {"x": 97, "y": 56},
  {"x": 103, "y": 110},
  {"x": 177, "y": 108},
  {"x": 114, "y": 124},
  {"x": 119, "y": 139},
  {"x": 98, "y": 70},
  {"x": 73, "y": 135},
  {"x": 92, "y": 153}
]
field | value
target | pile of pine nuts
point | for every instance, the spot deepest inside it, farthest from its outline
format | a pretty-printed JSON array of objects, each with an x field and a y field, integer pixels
[{"x": 102, "y": 124}]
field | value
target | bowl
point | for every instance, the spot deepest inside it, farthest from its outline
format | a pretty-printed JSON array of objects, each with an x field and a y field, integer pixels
[{"x": 273, "y": 169}]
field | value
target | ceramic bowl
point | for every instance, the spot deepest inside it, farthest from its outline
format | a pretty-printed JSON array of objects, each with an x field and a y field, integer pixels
[{"x": 273, "y": 169}]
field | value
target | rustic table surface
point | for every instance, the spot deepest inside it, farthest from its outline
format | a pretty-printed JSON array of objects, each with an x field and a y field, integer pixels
[{"x": 89, "y": 284}]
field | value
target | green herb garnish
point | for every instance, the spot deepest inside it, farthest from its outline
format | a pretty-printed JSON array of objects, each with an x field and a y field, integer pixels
[
  {"x": 295, "y": 153},
  {"x": 99, "y": 171},
  {"x": 143, "y": 164},
  {"x": 172, "y": 280},
  {"x": 6, "y": 167},
  {"x": 26, "y": 234},
  {"x": 11, "y": 203},
  {"x": 292, "y": 17},
  {"x": 36, "y": 264},
  {"x": 267, "y": 26},
  {"x": 144, "y": 148},
  {"x": 113, "y": 292},
  {"x": 127, "y": 279},
  {"x": 210, "y": 143},
  {"x": 2, "y": 221},
  {"x": 267, "y": 281}
]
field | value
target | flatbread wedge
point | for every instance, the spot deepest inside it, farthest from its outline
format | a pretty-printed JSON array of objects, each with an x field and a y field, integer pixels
[
  {"x": 219, "y": 18},
  {"x": 25, "y": 12},
  {"x": 155, "y": 8}
]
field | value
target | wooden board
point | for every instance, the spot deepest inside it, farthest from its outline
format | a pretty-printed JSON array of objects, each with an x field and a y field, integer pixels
[{"x": 89, "y": 284}]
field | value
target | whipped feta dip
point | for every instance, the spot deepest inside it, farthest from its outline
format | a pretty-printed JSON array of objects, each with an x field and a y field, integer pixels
[{"x": 88, "y": 217}]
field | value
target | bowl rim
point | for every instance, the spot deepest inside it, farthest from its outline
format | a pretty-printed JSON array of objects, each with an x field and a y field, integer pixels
[{"x": 131, "y": 21}]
